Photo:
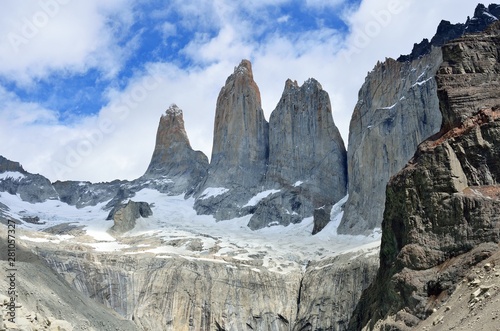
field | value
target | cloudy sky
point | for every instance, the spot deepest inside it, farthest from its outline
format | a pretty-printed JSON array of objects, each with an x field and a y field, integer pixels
[{"x": 83, "y": 83}]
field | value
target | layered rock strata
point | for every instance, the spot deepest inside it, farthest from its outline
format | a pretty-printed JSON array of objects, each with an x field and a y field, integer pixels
[
  {"x": 442, "y": 210},
  {"x": 397, "y": 109}
]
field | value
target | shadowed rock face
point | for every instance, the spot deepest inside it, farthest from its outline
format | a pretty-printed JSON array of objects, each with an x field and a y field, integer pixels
[
  {"x": 397, "y": 109},
  {"x": 174, "y": 161},
  {"x": 307, "y": 157},
  {"x": 442, "y": 210}
]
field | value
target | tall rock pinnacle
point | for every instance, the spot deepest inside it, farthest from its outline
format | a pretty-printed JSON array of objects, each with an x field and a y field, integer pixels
[
  {"x": 173, "y": 158},
  {"x": 240, "y": 147},
  {"x": 240, "y": 134},
  {"x": 307, "y": 157}
]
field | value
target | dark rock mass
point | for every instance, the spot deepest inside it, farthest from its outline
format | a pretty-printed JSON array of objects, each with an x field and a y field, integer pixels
[
  {"x": 442, "y": 210},
  {"x": 446, "y": 31},
  {"x": 30, "y": 187},
  {"x": 124, "y": 216}
]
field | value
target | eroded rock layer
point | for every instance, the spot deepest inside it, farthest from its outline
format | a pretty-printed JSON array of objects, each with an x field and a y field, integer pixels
[{"x": 442, "y": 210}]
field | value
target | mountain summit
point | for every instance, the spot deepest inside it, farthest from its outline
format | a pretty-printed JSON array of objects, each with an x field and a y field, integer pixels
[{"x": 173, "y": 158}]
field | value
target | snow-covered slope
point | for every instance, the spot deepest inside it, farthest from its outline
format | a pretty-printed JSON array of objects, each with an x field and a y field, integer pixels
[{"x": 174, "y": 220}]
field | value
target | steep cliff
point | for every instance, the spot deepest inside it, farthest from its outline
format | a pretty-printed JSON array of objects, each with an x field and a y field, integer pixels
[
  {"x": 442, "y": 210},
  {"x": 307, "y": 157},
  {"x": 397, "y": 109},
  {"x": 185, "y": 293},
  {"x": 240, "y": 147}
]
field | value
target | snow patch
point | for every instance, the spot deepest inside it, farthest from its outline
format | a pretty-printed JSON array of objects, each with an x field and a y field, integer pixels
[
  {"x": 259, "y": 196},
  {"x": 390, "y": 107},
  {"x": 210, "y": 192},
  {"x": 422, "y": 82},
  {"x": 12, "y": 175},
  {"x": 298, "y": 183}
]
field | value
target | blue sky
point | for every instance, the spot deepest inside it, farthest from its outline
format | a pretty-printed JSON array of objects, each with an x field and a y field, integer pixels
[{"x": 69, "y": 68}]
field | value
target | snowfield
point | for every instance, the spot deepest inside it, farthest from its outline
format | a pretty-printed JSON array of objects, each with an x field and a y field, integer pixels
[{"x": 175, "y": 230}]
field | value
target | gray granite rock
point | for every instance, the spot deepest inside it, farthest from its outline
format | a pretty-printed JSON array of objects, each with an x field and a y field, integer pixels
[
  {"x": 240, "y": 147},
  {"x": 125, "y": 215},
  {"x": 397, "y": 109}
]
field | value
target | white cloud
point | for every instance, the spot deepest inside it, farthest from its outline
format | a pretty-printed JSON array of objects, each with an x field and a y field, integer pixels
[
  {"x": 61, "y": 35},
  {"x": 283, "y": 19},
  {"x": 120, "y": 139}
]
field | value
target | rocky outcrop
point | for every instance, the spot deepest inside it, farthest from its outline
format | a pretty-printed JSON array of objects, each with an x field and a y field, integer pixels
[
  {"x": 442, "y": 209},
  {"x": 45, "y": 301},
  {"x": 183, "y": 294},
  {"x": 174, "y": 164},
  {"x": 397, "y": 109},
  {"x": 446, "y": 31},
  {"x": 330, "y": 290},
  {"x": 307, "y": 157},
  {"x": 125, "y": 215},
  {"x": 240, "y": 147},
  {"x": 30, "y": 187},
  {"x": 82, "y": 194}
]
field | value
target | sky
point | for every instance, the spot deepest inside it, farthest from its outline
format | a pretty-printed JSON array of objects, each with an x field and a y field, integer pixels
[{"x": 84, "y": 83}]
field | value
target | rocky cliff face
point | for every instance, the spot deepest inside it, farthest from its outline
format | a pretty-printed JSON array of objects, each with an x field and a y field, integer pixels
[
  {"x": 397, "y": 109},
  {"x": 442, "y": 209},
  {"x": 174, "y": 162},
  {"x": 446, "y": 31},
  {"x": 330, "y": 290},
  {"x": 240, "y": 147},
  {"x": 307, "y": 157},
  {"x": 278, "y": 172},
  {"x": 179, "y": 293}
]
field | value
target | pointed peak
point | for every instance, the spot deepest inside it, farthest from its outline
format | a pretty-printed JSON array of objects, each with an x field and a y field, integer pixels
[
  {"x": 290, "y": 84},
  {"x": 173, "y": 110},
  {"x": 311, "y": 82},
  {"x": 245, "y": 67}
]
